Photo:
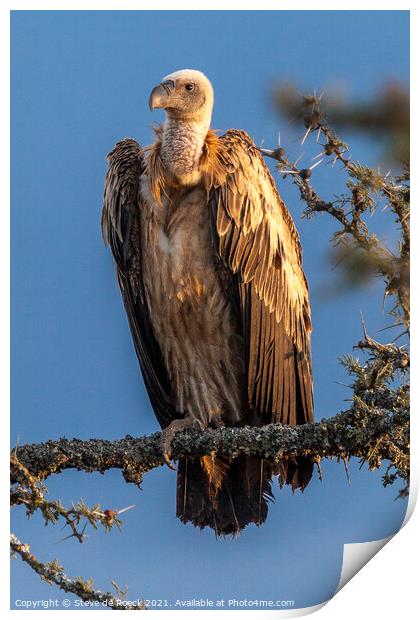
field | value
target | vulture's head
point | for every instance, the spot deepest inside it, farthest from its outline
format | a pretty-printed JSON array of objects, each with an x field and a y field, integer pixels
[{"x": 185, "y": 95}]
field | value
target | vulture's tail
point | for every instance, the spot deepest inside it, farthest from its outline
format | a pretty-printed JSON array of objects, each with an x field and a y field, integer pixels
[{"x": 227, "y": 495}]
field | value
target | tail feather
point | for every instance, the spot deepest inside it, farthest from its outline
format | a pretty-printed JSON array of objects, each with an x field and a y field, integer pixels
[
  {"x": 216, "y": 470},
  {"x": 296, "y": 472},
  {"x": 225, "y": 495}
]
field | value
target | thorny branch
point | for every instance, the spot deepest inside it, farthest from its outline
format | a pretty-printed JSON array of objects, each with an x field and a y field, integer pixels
[
  {"x": 368, "y": 189},
  {"x": 350, "y": 434},
  {"x": 29, "y": 491},
  {"x": 382, "y": 381},
  {"x": 53, "y": 573},
  {"x": 368, "y": 431}
]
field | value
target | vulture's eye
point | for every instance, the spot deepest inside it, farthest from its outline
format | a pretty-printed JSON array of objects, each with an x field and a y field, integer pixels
[{"x": 189, "y": 87}]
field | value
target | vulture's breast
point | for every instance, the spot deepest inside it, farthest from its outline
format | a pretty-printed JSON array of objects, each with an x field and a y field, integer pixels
[{"x": 190, "y": 313}]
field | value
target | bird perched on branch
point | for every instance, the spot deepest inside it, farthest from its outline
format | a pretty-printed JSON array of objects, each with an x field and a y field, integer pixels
[{"x": 210, "y": 269}]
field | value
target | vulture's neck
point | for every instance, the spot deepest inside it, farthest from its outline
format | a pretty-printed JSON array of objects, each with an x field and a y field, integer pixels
[{"x": 181, "y": 148}]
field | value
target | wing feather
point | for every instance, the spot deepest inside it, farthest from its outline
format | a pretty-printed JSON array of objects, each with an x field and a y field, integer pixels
[
  {"x": 121, "y": 231},
  {"x": 258, "y": 244}
]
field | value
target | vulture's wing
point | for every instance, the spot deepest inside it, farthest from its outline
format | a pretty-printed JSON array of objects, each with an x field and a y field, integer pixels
[
  {"x": 121, "y": 231},
  {"x": 258, "y": 245}
]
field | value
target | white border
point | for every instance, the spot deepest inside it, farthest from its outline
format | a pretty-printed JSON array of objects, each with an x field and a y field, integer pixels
[{"x": 386, "y": 586}]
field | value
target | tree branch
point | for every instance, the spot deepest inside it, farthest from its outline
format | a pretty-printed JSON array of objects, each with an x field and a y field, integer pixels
[
  {"x": 52, "y": 572},
  {"x": 367, "y": 190},
  {"x": 373, "y": 438}
]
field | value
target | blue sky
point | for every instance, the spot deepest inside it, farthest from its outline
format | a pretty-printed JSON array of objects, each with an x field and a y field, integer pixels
[{"x": 80, "y": 82}]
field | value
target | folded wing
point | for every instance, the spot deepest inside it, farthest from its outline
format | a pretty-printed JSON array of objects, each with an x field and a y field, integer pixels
[
  {"x": 121, "y": 231},
  {"x": 258, "y": 246}
]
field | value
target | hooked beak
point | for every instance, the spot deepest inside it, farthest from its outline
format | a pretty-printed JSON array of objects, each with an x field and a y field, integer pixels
[{"x": 161, "y": 95}]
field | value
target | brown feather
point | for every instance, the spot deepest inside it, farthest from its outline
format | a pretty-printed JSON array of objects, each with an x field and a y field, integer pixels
[{"x": 262, "y": 248}]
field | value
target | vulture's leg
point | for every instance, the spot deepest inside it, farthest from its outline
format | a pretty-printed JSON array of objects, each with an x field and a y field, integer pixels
[{"x": 177, "y": 426}]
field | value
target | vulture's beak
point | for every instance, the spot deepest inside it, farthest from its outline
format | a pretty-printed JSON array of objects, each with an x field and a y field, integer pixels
[{"x": 161, "y": 95}]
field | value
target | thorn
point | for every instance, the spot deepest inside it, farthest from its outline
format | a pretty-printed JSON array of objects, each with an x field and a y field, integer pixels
[
  {"x": 393, "y": 326},
  {"x": 383, "y": 301},
  {"x": 279, "y": 140},
  {"x": 364, "y": 326},
  {"x": 317, "y": 156},
  {"x": 347, "y": 470},
  {"x": 97, "y": 512},
  {"x": 16, "y": 445},
  {"x": 343, "y": 384},
  {"x": 80, "y": 537},
  {"x": 267, "y": 152},
  {"x": 320, "y": 475},
  {"x": 298, "y": 159},
  {"x": 119, "y": 512},
  {"x": 63, "y": 539},
  {"x": 401, "y": 335},
  {"x": 317, "y": 164},
  {"x": 306, "y": 134}
]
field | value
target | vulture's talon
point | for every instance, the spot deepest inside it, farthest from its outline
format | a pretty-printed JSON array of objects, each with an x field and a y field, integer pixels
[
  {"x": 165, "y": 444},
  {"x": 167, "y": 459},
  {"x": 168, "y": 433}
]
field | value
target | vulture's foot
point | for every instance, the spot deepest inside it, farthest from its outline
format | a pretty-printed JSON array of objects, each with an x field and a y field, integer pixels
[{"x": 177, "y": 426}]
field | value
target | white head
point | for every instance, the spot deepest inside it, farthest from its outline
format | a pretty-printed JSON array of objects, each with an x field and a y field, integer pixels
[{"x": 185, "y": 95}]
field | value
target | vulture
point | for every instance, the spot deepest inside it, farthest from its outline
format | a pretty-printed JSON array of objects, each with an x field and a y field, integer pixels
[{"x": 209, "y": 264}]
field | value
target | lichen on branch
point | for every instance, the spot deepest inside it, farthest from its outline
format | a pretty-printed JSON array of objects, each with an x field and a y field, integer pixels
[
  {"x": 53, "y": 573},
  {"x": 372, "y": 436}
]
